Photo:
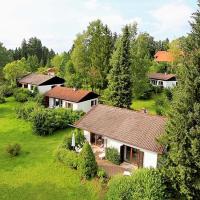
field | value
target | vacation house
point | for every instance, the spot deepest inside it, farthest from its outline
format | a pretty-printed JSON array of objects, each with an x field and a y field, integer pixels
[
  {"x": 43, "y": 82},
  {"x": 133, "y": 134},
  {"x": 163, "y": 80},
  {"x": 76, "y": 99}
]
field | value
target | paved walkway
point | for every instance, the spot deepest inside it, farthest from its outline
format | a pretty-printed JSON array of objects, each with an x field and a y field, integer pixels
[{"x": 110, "y": 168}]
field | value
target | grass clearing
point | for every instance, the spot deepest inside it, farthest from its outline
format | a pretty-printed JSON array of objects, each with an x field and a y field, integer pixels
[
  {"x": 149, "y": 104},
  {"x": 34, "y": 174}
]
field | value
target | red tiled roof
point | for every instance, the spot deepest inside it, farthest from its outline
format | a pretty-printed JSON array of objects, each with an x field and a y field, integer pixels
[
  {"x": 161, "y": 76},
  {"x": 163, "y": 56},
  {"x": 70, "y": 94},
  {"x": 129, "y": 127}
]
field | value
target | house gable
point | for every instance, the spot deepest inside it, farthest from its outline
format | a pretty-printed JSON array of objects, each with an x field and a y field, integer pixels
[{"x": 53, "y": 81}]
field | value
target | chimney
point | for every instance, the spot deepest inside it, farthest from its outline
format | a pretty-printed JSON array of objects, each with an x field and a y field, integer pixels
[
  {"x": 74, "y": 88},
  {"x": 145, "y": 110}
]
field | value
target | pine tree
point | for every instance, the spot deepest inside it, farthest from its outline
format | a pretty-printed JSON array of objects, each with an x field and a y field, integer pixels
[
  {"x": 120, "y": 84},
  {"x": 182, "y": 159},
  {"x": 87, "y": 165}
]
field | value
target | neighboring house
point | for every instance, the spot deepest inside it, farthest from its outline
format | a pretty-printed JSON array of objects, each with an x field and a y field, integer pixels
[
  {"x": 163, "y": 56},
  {"x": 71, "y": 98},
  {"x": 163, "y": 80},
  {"x": 43, "y": 82},
  {"x": 133, "y": 134}
]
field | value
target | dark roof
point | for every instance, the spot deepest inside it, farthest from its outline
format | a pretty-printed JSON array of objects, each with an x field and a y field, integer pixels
[
  {"x": 71, "y": 94},
  {"x": 162, "y": 76},
  {"x": 130, "y": 127},
  {"x": 40, "y": 79},
  {"x": 163, "y": 56}
]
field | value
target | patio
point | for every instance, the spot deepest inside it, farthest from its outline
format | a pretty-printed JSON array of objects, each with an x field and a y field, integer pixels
[{"x": 110, "y": 168}]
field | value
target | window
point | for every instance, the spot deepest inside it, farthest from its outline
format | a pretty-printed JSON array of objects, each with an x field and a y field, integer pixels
[
  {"x": 93, "y": 102},
  {"x": 154, "y": 82},
  {"x": 160, "y": 83},
  {"x": 57, "y": 103},
  {"x": 53, "y": 86},
  {"x": 68, "y": 105},
  {"x": 25, "y": 86},
  {"x": 130, "y": 154}
]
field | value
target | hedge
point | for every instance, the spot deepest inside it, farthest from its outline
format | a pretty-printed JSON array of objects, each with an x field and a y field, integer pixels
[
  {"x": 46, "y": 121},
  {"x": 143, "y": 184}
]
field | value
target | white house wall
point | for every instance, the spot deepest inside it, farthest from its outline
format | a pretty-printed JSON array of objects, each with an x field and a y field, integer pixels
[
  {"x": 29, "y": 86},
  {"x": 84, "y": 106},
  {"x": 169, "y": 84},
  {"x": 51, "y": 102},
  {"x": 112, "y": 143},
  {"x": 150, "y": 159},
  {"x": 87, "y": 135},
  {"x": 166, "y": 84},
  {"x": 43, "y": 88}
]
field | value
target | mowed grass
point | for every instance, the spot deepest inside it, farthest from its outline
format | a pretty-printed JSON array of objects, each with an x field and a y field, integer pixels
[
  {"x": 149, "y": 104},
  {"x": 34, "y": 174}
]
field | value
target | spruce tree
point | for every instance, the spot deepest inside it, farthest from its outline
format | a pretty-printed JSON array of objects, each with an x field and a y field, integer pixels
[
  {"x": 87, "y": 164},
  {"x": 120, "y": 84},
  {"x": 182, "y": 158}
]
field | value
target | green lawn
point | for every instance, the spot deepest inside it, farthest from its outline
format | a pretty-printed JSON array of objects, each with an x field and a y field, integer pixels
[
  {"x": 150, "y": 104},
  {"x": 138, "y": 104},
  {"x": 34, "y": 174}
]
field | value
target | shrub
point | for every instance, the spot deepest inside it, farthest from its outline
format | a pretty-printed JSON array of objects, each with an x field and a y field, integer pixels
[
  {"x": 148, "y": 92},
  {"x": 46, "y": 121},
  {"x": 22, "y": 95},
  {"x": 25, "y": 111},
  {"x": 2, "y": 100},
  {"x": 101, "y": 173},
  {"x": 6, "y": 90},
  {"x": 67, "y": 157},
  {"x": 39, "y": 99},
  {"x": 143, "y": 184},
  {"x": 168, "y": 93},
  {"x": 67, "y": 142},
  {"x": 87, "y": 164},
  {"x": 112, "y": 155},
  {"x": 159, "y": 111},
  {"x": 13, "y": 149},
  {"x": 120, "y": 188},
  {"x": 161, "y": 104}
]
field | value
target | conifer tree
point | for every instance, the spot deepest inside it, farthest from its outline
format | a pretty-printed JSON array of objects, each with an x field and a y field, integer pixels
[
  {"x": 182, "y": 159},
  {"x": 120, "y": 84},
  {"x": 87, "y": 165}
]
